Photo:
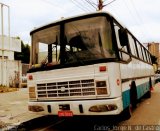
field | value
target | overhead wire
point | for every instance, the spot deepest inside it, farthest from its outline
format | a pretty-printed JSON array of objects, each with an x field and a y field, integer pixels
[
  {"x": 110, "y": 2},
  {"x": 140, "y": 18},
  {"x": 135, "y": 9},
  {"x": 73, "y": 1},
  {"x": 135, "y": 15},
  {"x": 52, "y": 4},
  {"x": 80, "y": 5},
  {"x": 137, "y": 20},
  {"x": 87, "y": 5},
  {"x": 131, "y": 13},
  {"x": 115, "y": 11},
  {"x": 91, "y": 4}
]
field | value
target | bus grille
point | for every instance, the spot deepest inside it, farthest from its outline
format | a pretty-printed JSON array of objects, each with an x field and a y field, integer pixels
[{"x": 66, "y": 89}]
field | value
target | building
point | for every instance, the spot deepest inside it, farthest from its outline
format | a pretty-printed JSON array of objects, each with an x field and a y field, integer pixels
[
  {"x": 154, "y": 49},
  {"x": 10, "y": 69},
  {"x": 9, "y": 46}
]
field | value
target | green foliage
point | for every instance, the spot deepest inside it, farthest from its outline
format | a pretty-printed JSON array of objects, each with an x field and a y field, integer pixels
[
  {"x": 154, "y": 59},
  {"x": 24, "y": 55}
]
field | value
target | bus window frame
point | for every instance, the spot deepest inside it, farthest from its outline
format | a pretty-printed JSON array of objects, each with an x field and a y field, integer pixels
[
  {"x": 119, "y": 52},
  {"x": 136, "y": 47},
  {"x": 144, "y": 54},
  {"x": 139, "y": 52},
  {"x": 133, "y": 45}
]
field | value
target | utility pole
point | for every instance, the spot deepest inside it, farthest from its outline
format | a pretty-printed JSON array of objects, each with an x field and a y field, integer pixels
[
  {"x": 2, "y": 38},
  {"x": 100, "y": 5}
]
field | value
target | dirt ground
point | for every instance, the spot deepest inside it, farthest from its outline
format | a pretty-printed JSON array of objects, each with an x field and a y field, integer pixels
[{"x": 14, "y": 107}]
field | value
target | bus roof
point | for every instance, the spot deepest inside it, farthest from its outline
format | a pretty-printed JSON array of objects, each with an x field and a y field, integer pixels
[{"x": 70, "y": 18}]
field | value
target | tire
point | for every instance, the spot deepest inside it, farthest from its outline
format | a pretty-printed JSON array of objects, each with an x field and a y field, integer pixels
[
  {"x": 148, "y": 93},
  {"x": 127, "y": 113},
  {"x": 133, "y": 95}
]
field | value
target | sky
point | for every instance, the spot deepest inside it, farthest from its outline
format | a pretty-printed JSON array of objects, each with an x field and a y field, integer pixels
[{"x": 141, "y": 17}]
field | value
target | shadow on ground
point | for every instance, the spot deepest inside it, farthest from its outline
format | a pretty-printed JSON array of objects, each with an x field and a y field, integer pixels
[{"x": 79, "y": 123}]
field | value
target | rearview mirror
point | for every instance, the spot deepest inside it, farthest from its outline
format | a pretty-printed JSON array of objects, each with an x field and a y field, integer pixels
[{"x": 123, "y": 37}]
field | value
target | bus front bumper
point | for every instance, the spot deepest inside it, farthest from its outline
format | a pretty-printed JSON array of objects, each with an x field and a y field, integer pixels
[{"x": 78, "y": 107}]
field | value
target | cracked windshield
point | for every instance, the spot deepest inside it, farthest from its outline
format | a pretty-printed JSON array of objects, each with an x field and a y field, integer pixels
[{"x": 83, "y": 40}]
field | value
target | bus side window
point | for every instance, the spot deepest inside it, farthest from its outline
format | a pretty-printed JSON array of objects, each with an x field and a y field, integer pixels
[
  {"x": 132, "y": 45},
  {"x": 139, "y": 50},
  {"x": 142, "y": 52},
  {"x": 147, "y": 55},
  {"x": 144, "y": 55},
  {"x": 136, "y": 46}
]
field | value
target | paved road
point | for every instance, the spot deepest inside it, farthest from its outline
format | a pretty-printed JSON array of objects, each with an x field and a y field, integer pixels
[
  {"x": 148, "y": 110},
  {"x": 14, "y": 109},
  {"x": 143, "y": 118},
  {"x": 147, "y": 113}
]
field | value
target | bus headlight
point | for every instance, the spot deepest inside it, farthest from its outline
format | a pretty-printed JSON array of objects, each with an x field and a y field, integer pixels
[
  {"x": 101, "y": 87},
  {"x": 103, "y": 108},
  {"x": 32, "y": 92},
  {"x": 101, "y": 84},
  {"x": 35, "y": 108}
]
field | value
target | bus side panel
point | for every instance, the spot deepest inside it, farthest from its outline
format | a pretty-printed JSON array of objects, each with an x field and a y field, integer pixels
[
  {"x": 126, "y": 94},
  {"x": 153, "y": 82},
  {"x": 142, "y": 87},
  {"x": 126, "y": 98},
  {"x": 115, "y": 79}
]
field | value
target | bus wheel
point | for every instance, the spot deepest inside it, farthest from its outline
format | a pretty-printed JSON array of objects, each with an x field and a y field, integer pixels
[
  {"x": 148, "y": 93},
  {"x": 133, "y": 95},
  {"x": 127, "y": 112}
]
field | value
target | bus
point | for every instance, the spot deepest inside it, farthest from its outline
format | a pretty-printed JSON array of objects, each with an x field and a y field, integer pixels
[{"x": 88, "y": 65}]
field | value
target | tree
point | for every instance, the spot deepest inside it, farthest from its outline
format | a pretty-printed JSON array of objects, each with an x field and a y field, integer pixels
[
  {"x": 154, "y": 59},
  {"x": 24, "y": 55}
]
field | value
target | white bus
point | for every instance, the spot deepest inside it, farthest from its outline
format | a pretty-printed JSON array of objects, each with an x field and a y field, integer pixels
[{"x": 87, "y": 65}]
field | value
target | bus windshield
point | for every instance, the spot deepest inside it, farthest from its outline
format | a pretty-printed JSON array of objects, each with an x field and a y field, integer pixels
[{"x": 78, "y": 41}]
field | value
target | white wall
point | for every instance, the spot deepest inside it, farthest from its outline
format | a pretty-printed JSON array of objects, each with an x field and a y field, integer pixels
[
  {"x": 15, "y": 44},
  {"x": 9, "y": 54},
  {"x": 12, "y": 72}
]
